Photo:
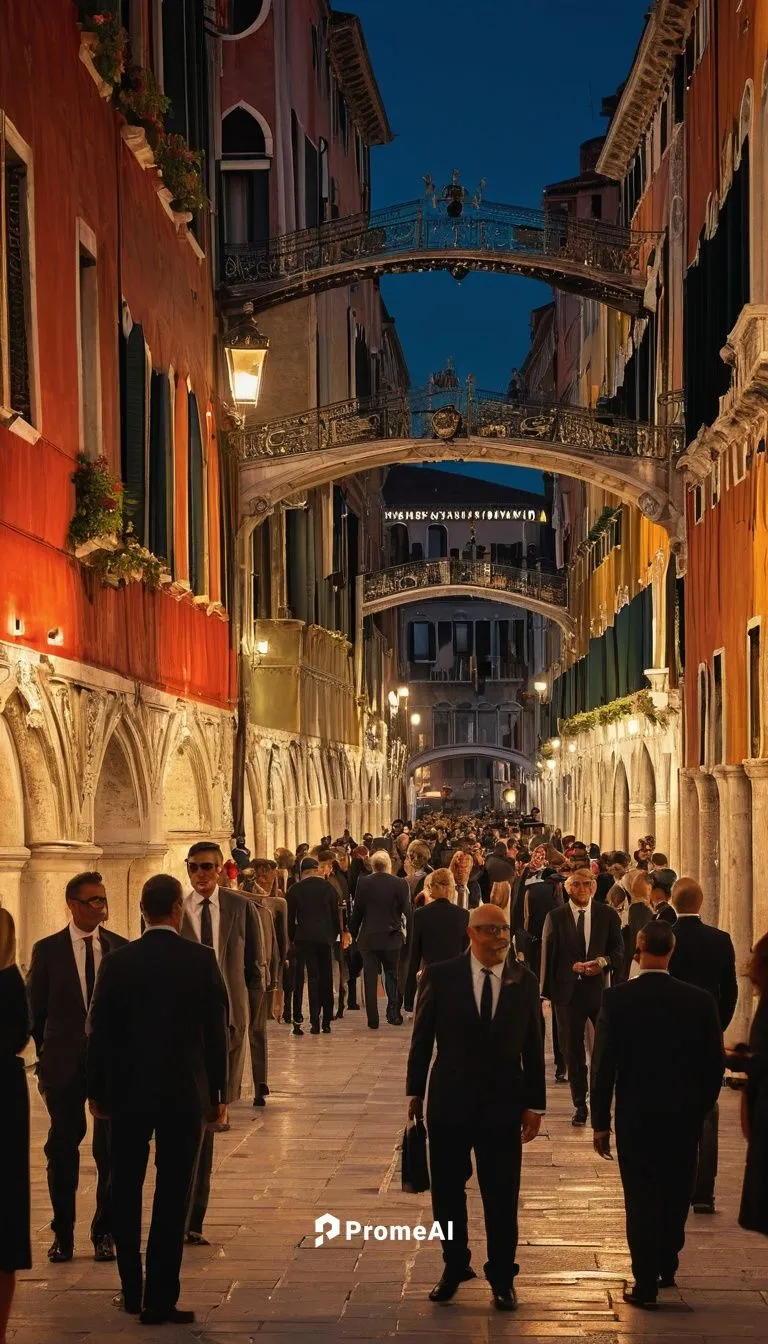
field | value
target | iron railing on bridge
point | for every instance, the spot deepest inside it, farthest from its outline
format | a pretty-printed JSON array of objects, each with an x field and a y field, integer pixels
[
  {"x": 444, "y": 573},
  {"x": 457, "y": 413},
  {"x": 415, "y": 227}
]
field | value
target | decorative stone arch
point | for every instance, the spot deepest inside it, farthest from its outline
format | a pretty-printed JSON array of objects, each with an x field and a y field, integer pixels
[
  {"x": 256, "y": 815},
  {"x": 252, "y": 28},
  {"x": 186, "y": 794},
  {"x": 276, "y": 827},
  {"x": 120, "y": 818},
  {"x": 269, "y": 143},
  {"x": 45, "y": 790},
  {"x": 13, "y": 850},
  {"x": 642, "y": 798},
  {"x": 621, "y": 806}
]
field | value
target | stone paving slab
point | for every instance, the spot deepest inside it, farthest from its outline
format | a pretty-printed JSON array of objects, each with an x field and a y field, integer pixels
[{"x": 326, "y": 1142}]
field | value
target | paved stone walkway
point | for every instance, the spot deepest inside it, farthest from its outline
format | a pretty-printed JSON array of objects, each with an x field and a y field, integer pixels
[{"x": 326, "y": 1142}]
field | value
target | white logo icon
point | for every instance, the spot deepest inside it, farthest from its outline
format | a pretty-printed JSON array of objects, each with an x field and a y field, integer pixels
[{"x": 327, "y": 1227}]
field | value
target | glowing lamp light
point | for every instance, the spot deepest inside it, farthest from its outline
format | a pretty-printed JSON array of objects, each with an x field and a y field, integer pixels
[
  {"x": 572, "y": 746},
  {"x": 246, "y": 350},
  {"x": 554, "y": 742},
  {"x": 633, "y": 727},
  {"x": 262, "y": 647},
  {"x": 540, "y": 687},
  {"x": 415, "y": 720},
  {"x": 510, "y": 797},
  {"x": 403, "y": 692}
]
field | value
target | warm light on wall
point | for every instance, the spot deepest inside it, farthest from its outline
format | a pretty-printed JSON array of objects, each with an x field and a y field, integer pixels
[
  {"x": 572, "y": 746},
  {"x": 415, "y": 720},
  {"x": 633, "y": 727},
  {"x": 554, "y": 742},
  {"x": 403, "y": 692},
  {"x": 15, "y": 626},
  {"x": 551, "y": 764},
  {"x": 510, "y": 797},
  {"x": 262, "y": 647},
  {"x": 56, "y": 635}
]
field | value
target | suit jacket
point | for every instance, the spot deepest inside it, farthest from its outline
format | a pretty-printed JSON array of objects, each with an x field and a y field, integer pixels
[
  {"x": 705, "y": 957},
  {"x": 658, "y": 1044},
  {"x": 559, "y": 950},
  {"x": 57, "y": 1005},
  {"x": 157, "y": 1028},
  {"x": 638, "y": 915},
  {"x": 239, "y": 957},
  {"x": 474, "y": 1078},
  {"x": 380, "y": 902},
  {"x": 269, "y": 965},
  {"x": 313, "y": 911},
  {"x": 666, "y": 912},
  {"x": 473, "y": 894},
  {"x": 439, "y": 934}
]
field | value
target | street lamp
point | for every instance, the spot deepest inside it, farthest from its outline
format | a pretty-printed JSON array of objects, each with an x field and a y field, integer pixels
[
  {"x": 415, "y": 720},
  {"x": 540, "y": 687},
  {"x": 403, "y": 692},
  {"x": 262, "y": 647},
  {"x": 246, "y": 350},
  {"x": 510, "y": 797},
  {"x": 554, "y": 742}
]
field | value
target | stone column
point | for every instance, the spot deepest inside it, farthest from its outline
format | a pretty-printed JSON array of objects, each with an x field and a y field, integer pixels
[
  {"x": 757, "y": 772},
  {"x": 689, "y": 823},
  {"x": 736, "y": 886},
  {"x": 709, "y": 844},
  {"x": 12, "y": 864},
  {"x": 144, "y": 865},
  {"x": 46, "y": 874}
]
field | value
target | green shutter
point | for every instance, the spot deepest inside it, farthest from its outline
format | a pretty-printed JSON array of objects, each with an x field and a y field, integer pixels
[
  {"x": 133, "y": 425},
  {"x": 196, "y": 504}
]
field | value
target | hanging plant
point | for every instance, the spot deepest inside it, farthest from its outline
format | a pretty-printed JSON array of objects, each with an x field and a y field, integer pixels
[
  {"x": 142, "y": 102},
  {"x": 627, "y": 707},
  {"x": 182, "y": 172},
  {"x": 99, "y": 502},
  {"x": 129, "y": 563},
  {"x": 109, "y": 43}
]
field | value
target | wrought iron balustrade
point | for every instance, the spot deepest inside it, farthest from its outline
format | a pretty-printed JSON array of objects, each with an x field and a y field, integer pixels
[
  {"x": 493, "y": 229},
  {"x": 421, "y": 574},
  {"x": 456, "y": 413}
]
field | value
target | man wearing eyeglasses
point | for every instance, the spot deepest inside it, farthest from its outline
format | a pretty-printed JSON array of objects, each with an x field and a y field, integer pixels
[
  {"x": 225, "y": 921},
  {"x": 486, "y": 1094},
  {"x": 60, "y": 984}
]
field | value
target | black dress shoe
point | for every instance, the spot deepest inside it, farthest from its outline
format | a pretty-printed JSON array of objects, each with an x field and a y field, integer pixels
[
  {"x": 260, "y": 1100},
  {"x": 196, "y": 1239},
  {"x": 446, "y": 1288},
  {"x": 326, "y": 1029},
  {"x": 667, "y": 1281},
  {"x": 171, "y": 1316},
  {"x": 373, "y": 1026},
  {"x": 339, "y": 1015},
  {"x": 60, "y": 1251},
  {"x": 636, "y": 1297},
  {"x": 579, "y": 1118},
  {"x": 396, "y": 1021},
  {"x": 297, "y": 1030},
  {"x": 505, "y": 1300},
  {"x": 126, "y": 1305},
  {"x": 104, "y": 1248},
  {"x": 702, "y": 1207},
  {"x": 561, "y": 1077},
  {"x": 353, "y": 1007},
  {"x": 314, "y": 1031}
]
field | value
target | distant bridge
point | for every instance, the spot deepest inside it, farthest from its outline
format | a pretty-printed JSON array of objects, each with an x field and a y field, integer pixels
[
  {"x": 488, "y": 753},
  {"x": 420, "y": 580},
  {"x": 606, "y": 262}
]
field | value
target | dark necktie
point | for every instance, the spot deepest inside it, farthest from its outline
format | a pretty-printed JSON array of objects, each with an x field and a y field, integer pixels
[
  {"x": 581, "y": 936},
  {"x": 460, "y": 896},
  {"x": 90, "y": 969},
  {"x": 206, "y": 923},
  {"x": 486, "y": 1001}
]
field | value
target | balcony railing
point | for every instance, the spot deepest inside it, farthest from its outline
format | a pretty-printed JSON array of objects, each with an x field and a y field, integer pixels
[
  {"x": 421, "y": 574},
  {"x": 465, "y": 668}
]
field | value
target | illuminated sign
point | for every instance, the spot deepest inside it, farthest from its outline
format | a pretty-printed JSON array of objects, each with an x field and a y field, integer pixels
[{"x": 459, "y": 515}]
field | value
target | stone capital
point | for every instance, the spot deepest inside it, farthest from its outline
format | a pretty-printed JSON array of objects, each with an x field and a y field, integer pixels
[{"x": 756, "y": 769}]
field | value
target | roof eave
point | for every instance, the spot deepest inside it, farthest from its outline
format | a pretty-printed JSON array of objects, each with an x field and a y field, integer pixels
[{"x": 352, "y": 64}]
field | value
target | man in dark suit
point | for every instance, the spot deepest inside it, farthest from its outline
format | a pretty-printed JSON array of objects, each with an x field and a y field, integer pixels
[
  {"x": 486, "y": 1093},
  {"x": 60, "y": 984},
  {"x": 705, "y": 957},
  {"x": 658, "y": 1044},
  {"x": 314, "y": 924},
  {"x": 382, "y": 902},
  {"x": 226, "y": 921},
  {"x": 581, "y": 946},
  {"x": 158, "y": 1046},
  {"x": 439, "y": 933}
]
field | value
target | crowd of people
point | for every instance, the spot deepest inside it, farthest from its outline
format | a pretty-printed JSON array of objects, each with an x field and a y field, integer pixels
[{"x": 483, "y": 928}]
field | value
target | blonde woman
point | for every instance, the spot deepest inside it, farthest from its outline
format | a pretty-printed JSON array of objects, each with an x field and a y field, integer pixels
[
  {"x": 15, "y": 1249},
  {"x": 501, "y": 896},
  {"x": 439, "y": 930}
]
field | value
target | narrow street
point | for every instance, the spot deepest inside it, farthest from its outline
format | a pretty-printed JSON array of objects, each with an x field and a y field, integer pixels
[{"x": 327, "y": 1143}]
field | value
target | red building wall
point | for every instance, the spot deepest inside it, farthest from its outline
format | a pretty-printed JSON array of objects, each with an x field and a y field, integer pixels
[{"x": 82, "y": 169}]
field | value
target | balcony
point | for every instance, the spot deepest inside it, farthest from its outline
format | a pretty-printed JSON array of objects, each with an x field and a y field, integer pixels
[{"x": 465, "y": 669}]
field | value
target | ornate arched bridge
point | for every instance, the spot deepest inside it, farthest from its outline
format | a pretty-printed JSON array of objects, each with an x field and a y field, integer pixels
[
  {"x": 632, "y": 460},
  {"x": 489, "y": 753},
  {"x": 420, "y": 580},
  {"x": 601, "y": 261}
]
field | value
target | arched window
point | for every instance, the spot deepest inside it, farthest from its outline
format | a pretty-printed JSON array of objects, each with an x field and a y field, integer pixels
[
  {"x": 246, "y": 158},
  {"x": 399, "y": 544},
  {"x": 437, "y": 542},
  {"x": 243, "y": 16}
]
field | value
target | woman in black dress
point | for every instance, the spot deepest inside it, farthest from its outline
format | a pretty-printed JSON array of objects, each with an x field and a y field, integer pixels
[
  {"x": 753, "y": 1214},
  {"x": 15, "y": 1250}
]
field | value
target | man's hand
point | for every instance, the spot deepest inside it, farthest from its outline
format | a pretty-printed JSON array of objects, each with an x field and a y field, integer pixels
[
  {"x": 579, "y": 967},
  {"x": 601, "y": 1139},
  {"x": 592, "y": 968},
  {"x": 530, "y": 1124},
  {"x": 415, "y": 1108},
  {"x": 96, "y": 1111},
  {"x": 216, "y": 1115}
]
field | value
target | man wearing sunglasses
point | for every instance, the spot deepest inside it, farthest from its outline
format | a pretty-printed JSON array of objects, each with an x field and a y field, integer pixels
[
  {"x": 60, "y": 983},
  {"x": 486, "y": 1095},
  {"x": 226, "y": 921}
]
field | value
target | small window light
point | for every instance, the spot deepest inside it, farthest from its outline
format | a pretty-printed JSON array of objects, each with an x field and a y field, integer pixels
[
  {"x": 56, "y": 635},
  {"x": 16, "y": 626},
  {"x": 262, "y": 647}
]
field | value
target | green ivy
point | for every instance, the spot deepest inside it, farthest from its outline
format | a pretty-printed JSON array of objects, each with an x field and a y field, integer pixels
[{"x": 625, "y": 708}]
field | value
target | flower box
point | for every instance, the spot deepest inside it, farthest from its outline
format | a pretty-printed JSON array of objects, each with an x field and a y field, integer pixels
[
  {"x": 135, "y": 137},
  {"x": 86, "y": 548},
  {"x": 88, "y": 44}
]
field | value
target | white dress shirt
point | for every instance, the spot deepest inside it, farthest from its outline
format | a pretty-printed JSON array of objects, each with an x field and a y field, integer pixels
[
  {"x": 576, "y": 910},
  {"x": 193, "y": 907},
  {"x": 478, "y": 980},
  {"x": 78, "y": 948}
]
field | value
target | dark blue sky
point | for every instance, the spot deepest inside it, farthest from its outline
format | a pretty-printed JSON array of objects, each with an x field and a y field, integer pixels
[{"x": 501, "y": 89}]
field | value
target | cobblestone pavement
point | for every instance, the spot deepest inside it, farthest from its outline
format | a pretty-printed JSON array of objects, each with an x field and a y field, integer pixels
[{"x": 326, "y": 1142}]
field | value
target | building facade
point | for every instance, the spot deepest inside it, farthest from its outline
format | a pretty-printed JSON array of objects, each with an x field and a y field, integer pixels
[
  {"x": 299, "y": 114},
  {"x": 117, "y": 677}
]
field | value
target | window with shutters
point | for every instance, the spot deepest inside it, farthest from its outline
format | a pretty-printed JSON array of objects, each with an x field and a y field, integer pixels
[
  {"x": 135, "y": 367},
  {"x": 703, "y": 714},
  {"x": 422, "y": 642},
  {"x": 160, "y": 502},
  {"x": 246, "y": 159},
  {"x": 19, "y": 387},
  {"x": 196, "y": 487},
  {"x": 88, "y": 363},
  {"x": 754, "y": 690}
]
